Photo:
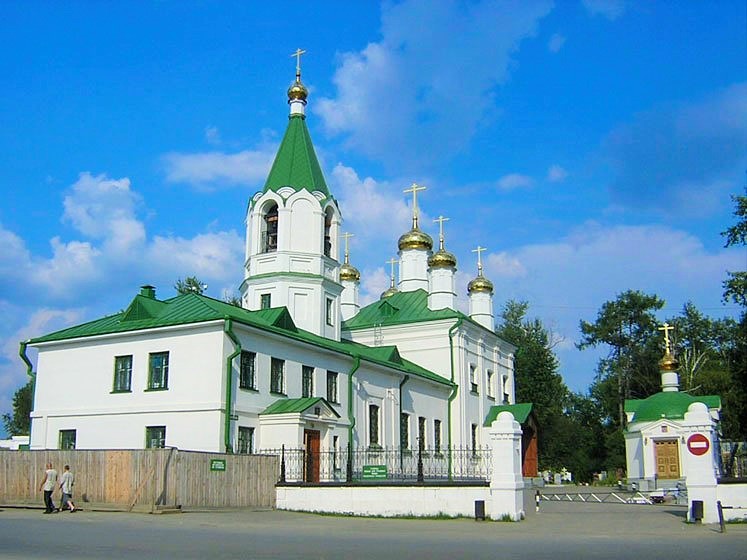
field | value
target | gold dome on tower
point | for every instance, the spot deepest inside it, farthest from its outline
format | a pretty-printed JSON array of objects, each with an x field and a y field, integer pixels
[
  {"x": 442, "y": 259},
  {"x": 668, "y": 363},
  {"x": 349, "y": 272},
  {"x": 480, "y": 284},
  {"x": 297, "y": 91},
  {"x": 415, "y": 239}
]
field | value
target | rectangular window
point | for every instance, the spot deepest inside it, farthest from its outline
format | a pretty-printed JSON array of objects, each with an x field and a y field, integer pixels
[
  {"x": 67, "y": 439},
  {"x": 474, "y": 437},
  {"x": 504, "y": 388},
  {"x": 373, "y": 425},
  {"x": 122, "y": 374},
  {"x": 155, "y": 437},
  {"x": 330, "y": 310},
  {"x": 335, "y": 447},
  {"x": 332, "y": 386},
  {"x": 473, "y": 378},
  {"x": 246, "y": 440},
  {"x": 404, "y": 431},
  {"x": 265, "y": 301},
  {"x": 437, "y": 436},
  {"x": 489, "y": 381},
  {"x": 421, "y": 433},
  {"x": 277, "y": 376},
  {"x": 247, "y": 379},
  {"x": 158, "y": 371},
  {"x": 307, "y": 381}
]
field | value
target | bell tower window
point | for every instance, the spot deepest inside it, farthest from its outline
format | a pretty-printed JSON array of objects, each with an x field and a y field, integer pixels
[
  {"x": 327, "y": 233},
  {"x": 270, "y": 230}
]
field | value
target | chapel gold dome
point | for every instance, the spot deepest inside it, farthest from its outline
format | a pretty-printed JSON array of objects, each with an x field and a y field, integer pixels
[
  {"x": 349, "y": 272},
  {"x": 442, "y": 259},
  {"x": 480, "y": 284},
  {"x": 668, "y": 363},
  {"x": 297, "y": 91},
  {"x": 389, "y": 293},
  {"x": 415, "y": 239}
]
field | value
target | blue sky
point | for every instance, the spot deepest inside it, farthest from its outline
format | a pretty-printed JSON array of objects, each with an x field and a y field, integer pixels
[{"x": 590, "y": 145}]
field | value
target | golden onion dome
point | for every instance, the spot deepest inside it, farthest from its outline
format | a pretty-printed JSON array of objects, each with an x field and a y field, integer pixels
[
  {"x": 389, "y": 293},
  {"x": 668, "y": 363},
  {"x": 442, "y": 259},
  {"x": 297, "y": 91},
  {"x": 480, "y": 284},
  {"x": 415, "y": 239},
  {"x": 349, "y": 272}
]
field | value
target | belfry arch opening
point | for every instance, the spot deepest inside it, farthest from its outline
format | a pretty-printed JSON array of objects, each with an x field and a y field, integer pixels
[
  {"x": 327, "y": 241},
  {"x": 269, "y": 237}
]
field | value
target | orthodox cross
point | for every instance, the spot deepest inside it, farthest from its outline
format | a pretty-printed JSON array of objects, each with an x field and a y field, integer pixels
[
  {"x": 414, "y": 190},
  {"x": 392, "y": 262},
  {"x": 298, "y": 54},
  {"x": 666, "y": 327},
  {"x": 346, "y": 236},
  {"x": 479, "y": 260},
  {"x": 441, "y": 221}
]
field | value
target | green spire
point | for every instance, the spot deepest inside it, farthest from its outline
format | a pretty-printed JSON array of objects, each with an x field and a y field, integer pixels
[{"x": 295, "y": 164}]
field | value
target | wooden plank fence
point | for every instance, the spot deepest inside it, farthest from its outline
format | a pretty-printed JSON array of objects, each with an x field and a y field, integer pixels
[{"x": 144, "y": 479}]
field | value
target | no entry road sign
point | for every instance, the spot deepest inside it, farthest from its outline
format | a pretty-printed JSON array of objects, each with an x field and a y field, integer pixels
[{"x": 698, "y": 444}]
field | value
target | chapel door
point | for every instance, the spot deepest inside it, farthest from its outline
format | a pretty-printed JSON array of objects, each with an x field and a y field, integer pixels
[
  {"x": 311, "y": 440},
  {"x": 667, "y": 459}
]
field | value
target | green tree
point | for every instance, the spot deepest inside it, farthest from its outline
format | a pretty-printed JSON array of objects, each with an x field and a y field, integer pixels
[
  {"x": 19, "y": 422},
  {"x": 190, "y": 285},
  {"x": 735, "y": 287},
  {"x": 536, "y": 376},
  {"x": 628, "y": 327}
]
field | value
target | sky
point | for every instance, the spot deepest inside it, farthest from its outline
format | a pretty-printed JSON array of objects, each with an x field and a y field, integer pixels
[{"x": 590, "y": 145}]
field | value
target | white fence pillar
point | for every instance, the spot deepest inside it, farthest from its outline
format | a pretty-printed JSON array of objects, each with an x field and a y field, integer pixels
[
  {"x": 507, "y": 482},
  {"x": 699, "y": 461}
]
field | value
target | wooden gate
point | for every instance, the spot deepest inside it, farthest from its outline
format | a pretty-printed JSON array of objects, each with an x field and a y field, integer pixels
[{"x": 667, "y": 458}]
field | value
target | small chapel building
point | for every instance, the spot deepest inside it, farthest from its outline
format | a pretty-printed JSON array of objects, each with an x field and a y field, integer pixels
[{"x": 300, "y": 364}]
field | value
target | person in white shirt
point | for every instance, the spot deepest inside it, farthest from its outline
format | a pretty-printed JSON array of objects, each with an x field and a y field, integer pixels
[
  {"x": 66, "y": 485},
  {"x": 47, "y": 485}
]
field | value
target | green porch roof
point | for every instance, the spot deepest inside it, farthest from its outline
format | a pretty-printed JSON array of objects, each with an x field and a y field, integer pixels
[
  {"x": 671, "y": 405},
  {"x": 295, "y": 164},
  {"x": 519, "y": 410},
  {"x": 290, "y": 406},
  {"x": 145, "y": 313}
]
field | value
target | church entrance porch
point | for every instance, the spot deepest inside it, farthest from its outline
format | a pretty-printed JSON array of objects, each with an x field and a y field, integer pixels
[{"x": 667, "y": 459}]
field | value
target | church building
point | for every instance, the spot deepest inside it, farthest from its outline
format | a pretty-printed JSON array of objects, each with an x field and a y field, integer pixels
[{"x": 300, "y": 364}]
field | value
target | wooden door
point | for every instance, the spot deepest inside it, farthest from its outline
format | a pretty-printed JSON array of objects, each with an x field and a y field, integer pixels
[
  {"x": 667, "y": 459},
  {"x": 311, "y": 440}
]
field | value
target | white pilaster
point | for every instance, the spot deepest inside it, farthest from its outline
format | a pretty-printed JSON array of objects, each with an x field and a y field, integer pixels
[
  {"x": 506, "y": 482},
  {"x": 441, "y": 289},
  {"x": 413, "y": 270},
  {"x": 481, "y": 309},
  {"x": 349, "y": 304}
]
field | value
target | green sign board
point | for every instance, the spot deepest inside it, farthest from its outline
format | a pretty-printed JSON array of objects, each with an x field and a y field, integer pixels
[
  {"x": 217, "y": 464},
  {"x": 374, "y": 472}
]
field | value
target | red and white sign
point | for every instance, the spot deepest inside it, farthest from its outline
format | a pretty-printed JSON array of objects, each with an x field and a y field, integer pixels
[{"x": 698, "y": 444}]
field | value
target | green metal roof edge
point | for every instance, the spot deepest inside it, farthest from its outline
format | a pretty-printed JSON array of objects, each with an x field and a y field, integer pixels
[
  {"x": 299, "y": 405},
  {"x": 670, "y": 405},
  {"x": 520, "y": 411},
  {"x": 288, "y": 170}
]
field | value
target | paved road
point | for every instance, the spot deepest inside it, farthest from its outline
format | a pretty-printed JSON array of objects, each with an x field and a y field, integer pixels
[{"x": 562, "y": 530}]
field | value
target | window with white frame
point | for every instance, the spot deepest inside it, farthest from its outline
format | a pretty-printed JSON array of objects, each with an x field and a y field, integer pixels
[
  {"x": 489, "y": 380},
  {"x": 473, "y": 378},
  {"x": 246, "y": 440},
  {"x": 67, "y": 439},
  {"x": 277, "y": 376},
  {"x": 122, "y": 374},
  {"x": 307, "y": 381},
  {"x": 158, "y": 371}
]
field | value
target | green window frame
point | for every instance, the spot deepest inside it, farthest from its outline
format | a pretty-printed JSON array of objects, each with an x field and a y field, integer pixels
[
  {"x": 307, "y": 381},
  {"x": 332, "y": 386},
  {"x": 265, "y": 301},
  {"x": 277, "y": 376},
  {"x": 67, "y": 439},
  {"x": 155, "y": 437},
  {"x": 246, "y": 440},
  {"x": 122, "y": 374},
  {"x": 158, "y": 371},
  {"x": 247, "y": 370}
]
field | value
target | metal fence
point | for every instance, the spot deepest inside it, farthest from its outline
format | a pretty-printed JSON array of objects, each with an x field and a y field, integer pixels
[
  {"x": 392, "y": 464},
  {"x": 733, "y": 459}
]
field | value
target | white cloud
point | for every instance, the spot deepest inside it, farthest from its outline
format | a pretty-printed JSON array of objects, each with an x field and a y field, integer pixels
[
  {"x": 212, "y": 135},
  {"x": 373, "y": 284},
  {"x": 400, "y": 103},
  {"x": 556, "y": 43},
  {"x": 556, "y": 174},
  {"x": 505, "y": 265},
  {"x": 514, "y": 181},
  {"x": 610, "y": 9},
  {"x": 208, "y": 256},
  {"x": 208, "y": 170}
]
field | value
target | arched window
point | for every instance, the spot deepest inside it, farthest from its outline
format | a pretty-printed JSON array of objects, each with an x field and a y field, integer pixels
[
  {"x": 327, "y": 232},
  {"x": 270, "y": 230}
]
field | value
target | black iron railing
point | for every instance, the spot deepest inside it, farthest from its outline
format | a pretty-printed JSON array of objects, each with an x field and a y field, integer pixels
[{"x": 392, "y": 464}]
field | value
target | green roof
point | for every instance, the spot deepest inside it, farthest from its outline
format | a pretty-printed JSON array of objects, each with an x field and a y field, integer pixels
[
  {"x": 400, "y": 308},
  {"x": 148, "y": 313},
  {"x": 295, "y": 164},
  {"x": 671, "y": 405},
  {"x": 290, "y": 406},
  {"x": 519, "y": 410}
]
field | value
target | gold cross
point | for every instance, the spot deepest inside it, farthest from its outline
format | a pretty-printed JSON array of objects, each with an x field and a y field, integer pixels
[
  {"x": 441, "y": 221},
  {"x": 298, "y": 54},
  {"x": 414, "y": 190},
  {"x": 666, "y": 327},
  {"x": 392, "y": 262},
  {"x": 479, "y": 260},
  {"x": 346, "y": 236}
]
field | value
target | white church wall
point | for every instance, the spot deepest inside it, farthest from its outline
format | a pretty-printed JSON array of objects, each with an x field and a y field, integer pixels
[{"x": 733, "y": 498}]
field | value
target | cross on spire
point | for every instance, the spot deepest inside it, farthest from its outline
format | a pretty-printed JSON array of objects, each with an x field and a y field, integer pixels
[
  {"x": 666, "y": 327},
  {"x": 347, "y": 236},
  {"x": 441, "y": 221},
  {"x": 479, "y": 259},
  {"x": 392, "y": 262},
  {"x": 414, "y": 190},
  {"x": 298, "y": 54}
]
